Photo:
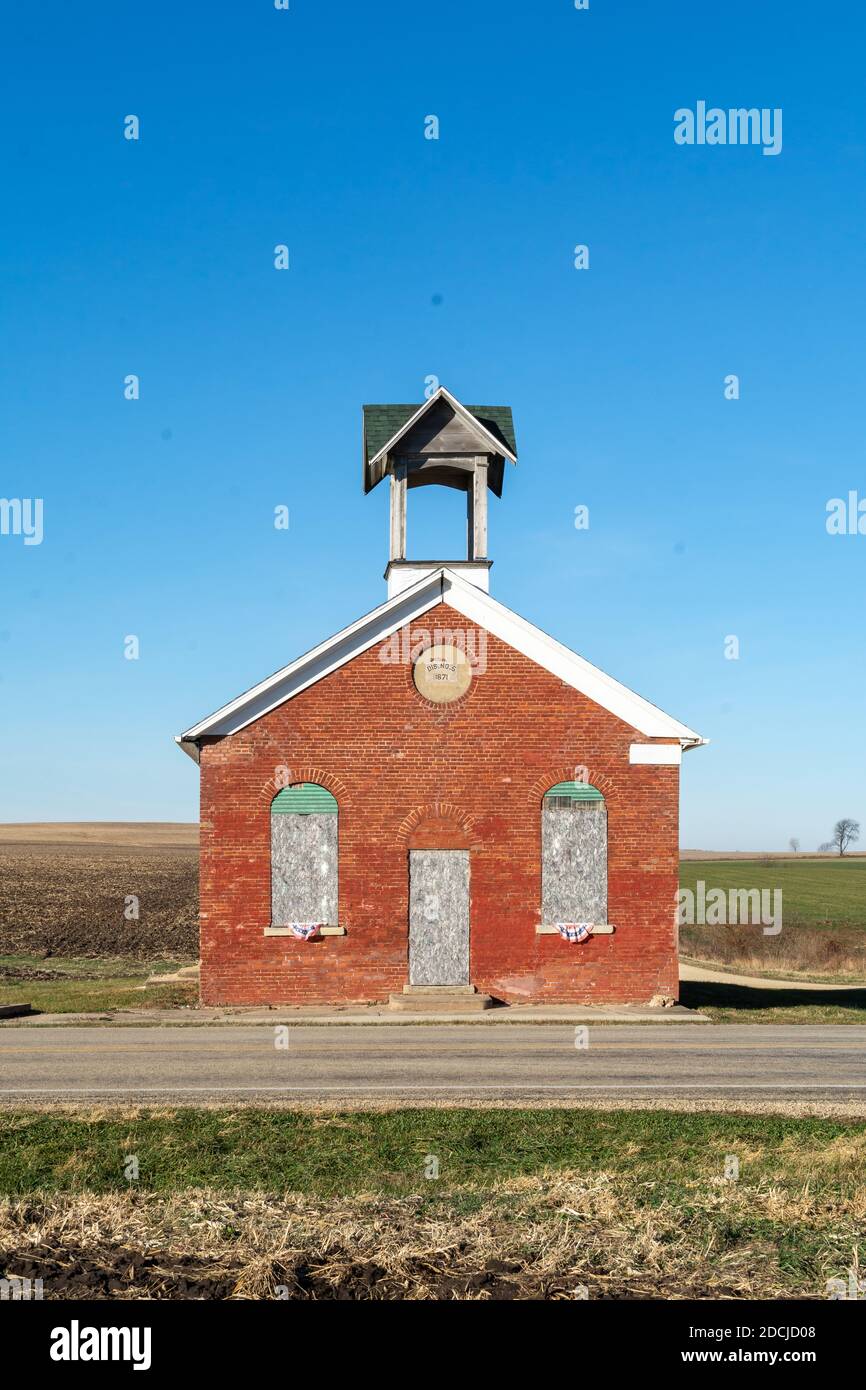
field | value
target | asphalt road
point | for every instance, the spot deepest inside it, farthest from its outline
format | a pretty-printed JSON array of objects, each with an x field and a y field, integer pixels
[{"x": 429, "y": 1063}]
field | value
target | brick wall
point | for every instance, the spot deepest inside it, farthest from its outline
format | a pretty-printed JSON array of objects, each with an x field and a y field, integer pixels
[{"x": 409, "y": 774}]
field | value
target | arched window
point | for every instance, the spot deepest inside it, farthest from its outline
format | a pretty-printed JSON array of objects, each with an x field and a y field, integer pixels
[
  {"x": 304, "y": 856},
  {"x": 573, "y": 854}
]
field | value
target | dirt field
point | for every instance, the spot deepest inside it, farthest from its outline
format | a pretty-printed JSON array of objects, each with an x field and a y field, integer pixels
[{"x": 64, "y": 890}]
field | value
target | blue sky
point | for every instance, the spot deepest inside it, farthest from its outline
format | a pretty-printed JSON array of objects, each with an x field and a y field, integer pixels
[{"x": 412, "y": 257}]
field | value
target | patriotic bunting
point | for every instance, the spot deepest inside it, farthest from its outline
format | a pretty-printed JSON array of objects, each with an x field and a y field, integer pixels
[
  {"x": 574, "y": 931},
  {"x": 306, "y": 931}
]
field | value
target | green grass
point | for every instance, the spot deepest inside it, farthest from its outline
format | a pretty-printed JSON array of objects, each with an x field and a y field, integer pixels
[
  {"x": 324, "y": 1154},
  {"x": 815, "y": 892},
  {"x": 822, "y": 937},
  {"x": 89, "y": 984},
  {"x": 98, "y": 967},
  {"x": 527, "y": 1203}
]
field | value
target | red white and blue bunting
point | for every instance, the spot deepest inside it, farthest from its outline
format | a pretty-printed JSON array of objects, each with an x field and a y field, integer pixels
[
  {"x": 574, "y": 931},
  {"x": 305, "y": 931}
]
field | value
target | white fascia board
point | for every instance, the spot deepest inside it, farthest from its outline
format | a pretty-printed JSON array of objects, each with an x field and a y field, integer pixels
[
  {"x": 314, "y": 665},
  {"x": 497, "y": 446},
  {"x": 596, "y": 684},
  {"x": 661, "y": 754}
]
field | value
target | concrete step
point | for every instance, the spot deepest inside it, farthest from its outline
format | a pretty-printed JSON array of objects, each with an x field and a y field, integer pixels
[
  {"x": 440, "y": 999},
  {"x": 442, "y": 990},
  {"x": 182, "y": 976}
]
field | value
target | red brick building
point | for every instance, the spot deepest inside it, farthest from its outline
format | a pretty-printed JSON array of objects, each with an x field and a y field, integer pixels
[{"x": 440, "y": 797}]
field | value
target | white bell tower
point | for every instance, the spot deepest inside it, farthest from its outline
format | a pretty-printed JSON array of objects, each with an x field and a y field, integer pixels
[{"x": 444, "y": 443}]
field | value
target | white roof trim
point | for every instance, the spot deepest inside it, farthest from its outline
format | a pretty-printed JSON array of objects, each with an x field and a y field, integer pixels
[
  {"x": 596, "y": 684},
  {"x": 656, "y": 754},
  {"x": 497, "y": 445},
  {"x": 443, "y": 585}
]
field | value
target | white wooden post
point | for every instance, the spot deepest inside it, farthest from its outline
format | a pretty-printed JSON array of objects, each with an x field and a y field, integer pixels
[
  {"x": 398, "y": 512},
  {"x": 476, "y": 513}
]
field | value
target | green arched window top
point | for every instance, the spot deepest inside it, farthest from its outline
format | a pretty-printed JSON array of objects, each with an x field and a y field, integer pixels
[
  {"x": 573, "y": 793},
  {"x": 304, "y": 799}
]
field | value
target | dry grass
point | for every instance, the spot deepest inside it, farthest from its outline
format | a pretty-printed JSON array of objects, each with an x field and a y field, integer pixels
[
  {"x": 90, "y": 985},
  {"x": 529, "y": 1237},
  {"x": 532, "y": 1205},
  {"x": 834, "y": 957}
]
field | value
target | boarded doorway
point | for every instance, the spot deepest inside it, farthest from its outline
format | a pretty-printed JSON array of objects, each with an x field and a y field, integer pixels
[{"x": 439, "y": 917}]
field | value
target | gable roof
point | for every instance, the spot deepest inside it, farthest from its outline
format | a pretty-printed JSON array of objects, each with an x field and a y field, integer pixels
[
  {"x": 440, "y": 586},
  {"x": 385, "y": 425}
]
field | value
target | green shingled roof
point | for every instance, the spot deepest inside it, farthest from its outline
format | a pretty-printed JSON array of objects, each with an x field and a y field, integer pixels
[{"x": 382, "y": 422}]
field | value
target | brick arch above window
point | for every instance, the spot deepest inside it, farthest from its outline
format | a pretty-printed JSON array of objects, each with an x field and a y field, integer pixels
[
  {"x": 439, "y": 825},
  {"x": 601, "y": 781},
  {"x": 286, "y": 775}
]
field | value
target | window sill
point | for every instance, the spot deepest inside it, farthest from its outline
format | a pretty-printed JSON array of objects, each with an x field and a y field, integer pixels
[
  {"x": 287, "y": 931},
  {"x": 603, "y": 930}
]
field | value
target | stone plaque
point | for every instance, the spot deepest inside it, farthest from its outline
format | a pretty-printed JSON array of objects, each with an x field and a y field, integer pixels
[{"x": 442, "y": 673}]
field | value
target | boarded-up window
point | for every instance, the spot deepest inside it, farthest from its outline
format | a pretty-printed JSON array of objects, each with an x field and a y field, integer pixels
[
  {"x": 573, "y": 855},
  {"x": 304, "y": 856}
]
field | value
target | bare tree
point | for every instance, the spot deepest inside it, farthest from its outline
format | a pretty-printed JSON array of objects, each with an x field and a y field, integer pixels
[
  {"x": 845, "y": 832},
  {"x": 795, "y": 844}
]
